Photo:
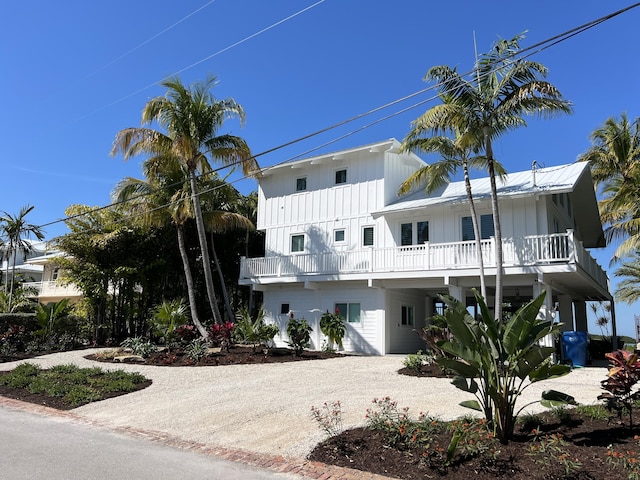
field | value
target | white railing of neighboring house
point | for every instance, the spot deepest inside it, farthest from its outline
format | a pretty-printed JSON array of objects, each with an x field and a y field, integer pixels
[
  {"x": 554, "y": 248},
  {"x": 53, "y": 289}
]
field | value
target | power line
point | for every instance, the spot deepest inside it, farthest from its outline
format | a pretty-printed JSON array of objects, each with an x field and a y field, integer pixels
[{"x": 534, "y": 49}]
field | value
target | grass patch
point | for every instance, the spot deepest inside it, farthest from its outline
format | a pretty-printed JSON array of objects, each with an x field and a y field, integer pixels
[{"x": 74, "y": 385}]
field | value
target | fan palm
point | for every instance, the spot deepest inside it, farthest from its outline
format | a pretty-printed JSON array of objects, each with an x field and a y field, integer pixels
[
  {"x": 614, "y": 158},
  {"x": 628, "y": 290},
  {"x": 456, "y": 154},
  {"x": 492, "y": 103},
  {"x": 191, "y": 117},
  {"x": 16, "y": 231}
]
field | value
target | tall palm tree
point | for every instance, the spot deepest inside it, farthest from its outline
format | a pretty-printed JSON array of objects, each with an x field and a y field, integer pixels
[
  {"x": 16, "y": 231},
  {"x": 191, "y": 117},
  {"x": 164, "y": 197},
  {"x": 614, "y": 158},
  {"x": 456, "y": 153},
  {"x": 493, "y": 102},
  {"x": 628, "y": 290}
]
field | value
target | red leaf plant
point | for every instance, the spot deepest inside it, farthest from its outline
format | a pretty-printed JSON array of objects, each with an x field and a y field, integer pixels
[{"x": 623, "y": 375}]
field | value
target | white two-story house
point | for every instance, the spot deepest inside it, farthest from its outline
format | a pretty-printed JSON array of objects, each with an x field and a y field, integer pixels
[{"x": 338, "y": 237}]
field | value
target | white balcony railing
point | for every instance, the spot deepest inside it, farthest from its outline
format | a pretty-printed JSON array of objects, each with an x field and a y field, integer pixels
[
  {"x": 53, "y": 289},
  {"x": 555, "y": 248}
]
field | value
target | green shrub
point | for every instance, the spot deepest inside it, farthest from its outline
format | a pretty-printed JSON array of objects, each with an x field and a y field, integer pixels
[
  {"x": 254, "y": 332},
  {"x": 415, "y": 361},
  {"x": 196, "y": 350},
  {"x": 139, "y": 346},
  {"x": 333, "y": 327},
  {"x": 299, "y": 333}
]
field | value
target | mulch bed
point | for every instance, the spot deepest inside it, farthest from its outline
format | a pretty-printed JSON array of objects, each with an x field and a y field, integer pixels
[{"x": 237, "y": 355}]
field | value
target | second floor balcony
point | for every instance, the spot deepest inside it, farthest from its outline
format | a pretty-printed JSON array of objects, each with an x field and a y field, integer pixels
[{"x": 559, "y": 249}]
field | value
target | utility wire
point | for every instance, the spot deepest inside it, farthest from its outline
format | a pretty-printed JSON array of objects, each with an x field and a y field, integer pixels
[{"x": 536, "y": 48}]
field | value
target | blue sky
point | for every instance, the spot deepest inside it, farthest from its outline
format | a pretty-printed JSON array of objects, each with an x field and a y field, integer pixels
[{"x": 74, "y": 73}]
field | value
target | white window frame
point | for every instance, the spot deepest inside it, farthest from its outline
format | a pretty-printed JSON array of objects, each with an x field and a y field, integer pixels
[
  {"x": 344, "y": 236},
  {"x": 347, "y": 315},
  {"x": 294, "y": 235},
  {"x": 414, "y": 232},
  {"x": 373, "y": 229},
  {"x": 411, "y": 313}
]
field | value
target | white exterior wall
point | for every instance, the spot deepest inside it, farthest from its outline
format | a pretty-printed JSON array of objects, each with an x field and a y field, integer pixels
[{"x": 367, "y": 336}]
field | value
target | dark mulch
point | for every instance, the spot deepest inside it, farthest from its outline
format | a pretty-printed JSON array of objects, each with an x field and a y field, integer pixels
[
  {"x": 587, "y": 441},
  {"x": 54, "y": 402},
  {"x": 237, "y": 355}
]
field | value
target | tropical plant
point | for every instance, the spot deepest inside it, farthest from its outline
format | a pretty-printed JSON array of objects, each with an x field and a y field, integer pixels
[
  {"x": 255, "y": 332},
  {"x": 22, "y": 300},
  {"x": 16, "y": 231},
  {"x": 614, "y": 158},
  {"x": 197, "y": 349},
  {"x": 139, "y": 346},
  {"x": 497, "y": 360},
  {"x": 628, "y": 289},
  {"x": 333, "y": 327},
  {"x": 50, "y": 318},
  {"x": 299, "y": 332},
  {"x": 620, "y": 384},
  {"x": 167, "y": 316},
  {"x": 222, "y": 334},
  {"x": 191, "y": 117},
  {"x": 492, "y": 103},
  {"x": 456, "y": 153}
]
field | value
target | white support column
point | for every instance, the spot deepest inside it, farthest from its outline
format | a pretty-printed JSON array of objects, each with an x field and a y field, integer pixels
[{"x": 457, "y": 293}]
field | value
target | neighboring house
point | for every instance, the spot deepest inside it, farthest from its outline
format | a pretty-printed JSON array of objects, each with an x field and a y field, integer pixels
[
  {"x": 338, "y": 237},
  {"x": 51, "y": 287},
  {"x": 24, "y": 271}
]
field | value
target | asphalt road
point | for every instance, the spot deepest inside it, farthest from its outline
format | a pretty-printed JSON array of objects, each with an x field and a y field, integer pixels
[{"x": 38, "y": 447}]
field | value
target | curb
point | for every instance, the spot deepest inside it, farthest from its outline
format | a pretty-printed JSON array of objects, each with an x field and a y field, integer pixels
[{"x": 275, "y": 463}]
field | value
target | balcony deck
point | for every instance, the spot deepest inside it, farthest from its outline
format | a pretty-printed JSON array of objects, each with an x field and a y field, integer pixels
[
  {"x": 536, "y": 250},
  {"x": 54, "y": 289}
]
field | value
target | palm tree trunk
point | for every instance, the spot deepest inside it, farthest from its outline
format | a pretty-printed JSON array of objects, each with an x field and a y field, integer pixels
[
  {"x": 476, "y": 230},
  {"x": 204, "y": 250},
  {"x": 189, "y": 279},
  {"x": 13, "y": 279},
  {"x": 496, "y": 223},
  {"x": 225, "y": 293}
]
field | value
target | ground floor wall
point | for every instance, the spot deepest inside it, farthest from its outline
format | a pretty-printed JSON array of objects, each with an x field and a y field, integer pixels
[{"x": 379, "y": 321}]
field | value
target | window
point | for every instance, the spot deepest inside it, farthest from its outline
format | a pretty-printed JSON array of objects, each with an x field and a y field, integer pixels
[
  {"x": 406, "y": 234},
  {"x": 338, "y": 236},
  {"x": 423, "y": 232},
  {"x": 407, "y": 315},
  {"x": 341, "y": 176},
  {"x": 54, "y": 274},
  {"x": 284, "y": 309},
  {"x": 301, "y": 184},
  {"x": 297, "y": 243},
  {"x": 486, "y": 228},
  {"x": 367, "y": 236},
  {"x": 561, "y": 198},
  {"x": 349, "y": 311}
]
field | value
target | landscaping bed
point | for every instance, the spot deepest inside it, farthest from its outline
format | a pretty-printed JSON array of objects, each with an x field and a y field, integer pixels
[{"x": 565, "y": 444}]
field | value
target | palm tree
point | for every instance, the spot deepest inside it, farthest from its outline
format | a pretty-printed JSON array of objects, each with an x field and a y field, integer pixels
[
  {"x": 162, "y": 198},
  {"x": 192, "y": 117},
  {"x": 628, "y": 290},
  {"x": 614, "y": 158},
  {"x": 16, "y": 232},
  {"x": 456, "y": 153},
  {"x": 492, "y": 103}
]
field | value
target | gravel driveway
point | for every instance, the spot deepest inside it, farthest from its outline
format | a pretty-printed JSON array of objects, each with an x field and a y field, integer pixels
[{"x": 266, "y": 408}]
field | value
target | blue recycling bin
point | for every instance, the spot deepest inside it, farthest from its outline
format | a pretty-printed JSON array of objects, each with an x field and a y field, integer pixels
[{"x": 574, "y": 347}]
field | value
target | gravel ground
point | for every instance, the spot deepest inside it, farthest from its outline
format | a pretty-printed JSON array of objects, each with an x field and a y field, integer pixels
[{"x": 266, "y": 408}]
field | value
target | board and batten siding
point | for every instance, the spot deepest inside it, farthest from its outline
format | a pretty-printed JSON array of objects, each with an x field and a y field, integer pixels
[{"x": 366, "y": 336}]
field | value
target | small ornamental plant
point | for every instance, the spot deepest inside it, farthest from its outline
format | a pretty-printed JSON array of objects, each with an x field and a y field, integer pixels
[
  {"x": 299, "y": 333},
  {"x": 333, "y": 327},
  {"x": 222, "y": 334},
  {"x": 620, "y": 384},
  {"x": 628, "y": 460},
  {"x": 551, "y": 450},
  {"x": 329, "y": 417}
]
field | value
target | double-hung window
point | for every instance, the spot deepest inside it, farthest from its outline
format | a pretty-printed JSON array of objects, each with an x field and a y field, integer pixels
[{"x": 297, "y": 243}]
